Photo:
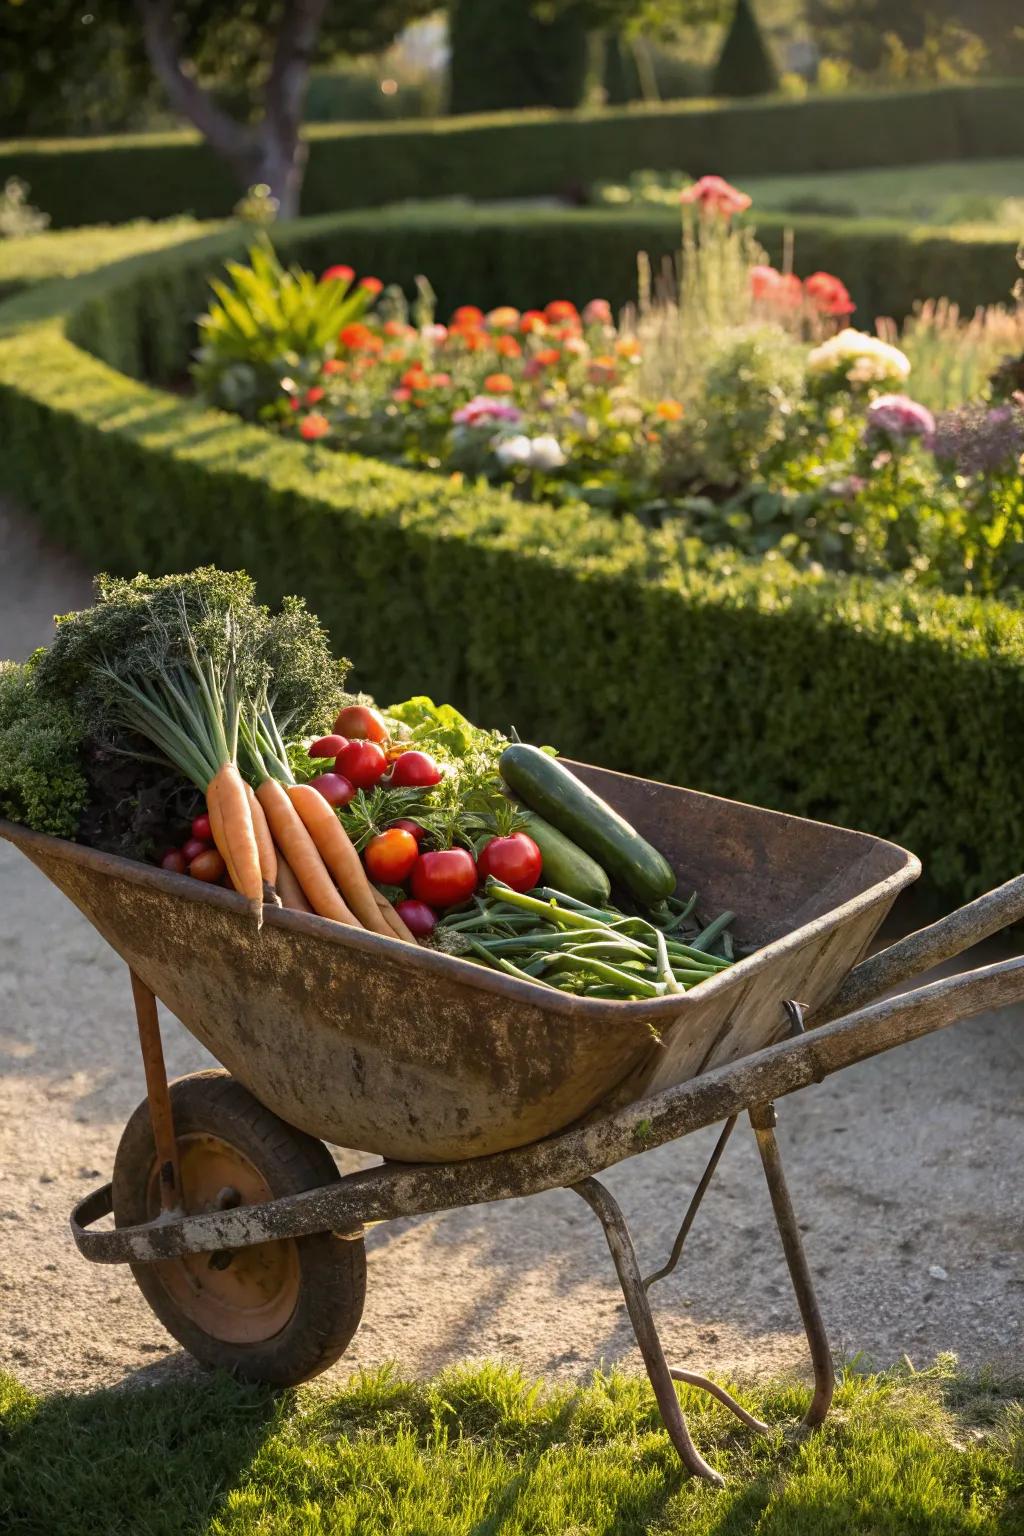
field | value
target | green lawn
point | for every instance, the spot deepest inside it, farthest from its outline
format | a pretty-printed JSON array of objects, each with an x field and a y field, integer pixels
[
  {"x": 956, "y": 192},
  {"x": 67, "y": 252},
  {"x": 480, "y": 1451}
]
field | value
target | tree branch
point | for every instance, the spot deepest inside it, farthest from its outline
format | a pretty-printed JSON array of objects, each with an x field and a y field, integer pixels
[
  {"x": 229, "y": 138},
  {"x": 289, "y": 71}
]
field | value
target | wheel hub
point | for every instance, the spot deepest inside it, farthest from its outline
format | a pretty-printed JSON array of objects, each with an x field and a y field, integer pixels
[{"x": 241, "y": 1295}]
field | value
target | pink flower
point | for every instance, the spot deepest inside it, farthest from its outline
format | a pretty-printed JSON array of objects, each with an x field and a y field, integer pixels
[
  {"x": 896, "y": 418},
  {"x": 486, "y": 408},
  {"x": 371, "y": 285},
  {"x": 828, "y": 294},
  {"x": 597, "y": 312},
  {"x": 713, "y": 194}
]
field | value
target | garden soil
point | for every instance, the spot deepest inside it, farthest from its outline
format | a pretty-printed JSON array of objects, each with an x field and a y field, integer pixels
[{"x": 906, "y": 1173}]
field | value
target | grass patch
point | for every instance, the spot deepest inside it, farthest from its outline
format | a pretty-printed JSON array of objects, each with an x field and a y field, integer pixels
[
  {"x": 68, "y": 252},
  {"x": 481, "y": 1451},
  {"x": 947, "y": 192}
]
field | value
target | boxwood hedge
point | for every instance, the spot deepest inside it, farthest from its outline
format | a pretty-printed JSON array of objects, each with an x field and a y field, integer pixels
[
  {"x": 528, "y": 154},
  {"x": 862, "y": 702}
]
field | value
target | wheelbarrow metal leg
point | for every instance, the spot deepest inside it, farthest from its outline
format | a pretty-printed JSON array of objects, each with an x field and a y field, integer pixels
[
  {"x": 694, "y": 1205},
  {"x": 661, "y": 1374},
  {"x": 763, "y": 1119},
  {"x": 158, "y": 1095}
]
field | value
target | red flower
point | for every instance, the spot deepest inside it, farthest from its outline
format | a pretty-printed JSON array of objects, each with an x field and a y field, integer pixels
[
  {"x": 339, "y": 274},
  {"x": 334, "y": 365},
  {"x": 313, "y": 426},
  {"x": 533, "y": 320},
  {"x": 712, "y": 194},
  {"x": 547, "y": 357},
  {"x": 560, "y": 309},
  {"x": 372, "y": 285},
  {"x": 356, "y": 336},
  {"x": 828, "y": 294},
  {"x": 498, "y": 384},
  {"x": 313, "y": 394}
]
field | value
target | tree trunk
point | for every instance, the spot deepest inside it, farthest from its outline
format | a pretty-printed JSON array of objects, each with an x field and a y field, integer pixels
[{"x": 272, "y": 152}]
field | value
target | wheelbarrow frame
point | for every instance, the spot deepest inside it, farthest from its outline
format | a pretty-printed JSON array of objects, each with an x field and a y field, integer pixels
[{"x": 854, "y": 1027}]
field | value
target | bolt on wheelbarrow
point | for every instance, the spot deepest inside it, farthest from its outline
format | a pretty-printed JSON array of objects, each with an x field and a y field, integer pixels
[{"x": 474, "y": 1086}]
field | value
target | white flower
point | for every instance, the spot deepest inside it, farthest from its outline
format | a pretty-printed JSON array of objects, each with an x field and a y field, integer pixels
[
  {"x": 546, "y": 453},
  {"x": 862, "y": 358},
  {"x": 510, "y": 451},
  {"x": 434, "y": 335}
]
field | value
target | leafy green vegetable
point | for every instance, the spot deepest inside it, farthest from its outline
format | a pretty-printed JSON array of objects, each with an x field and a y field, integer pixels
[
  {"x": 42, "y": 784},
  {"x": 469, "y": 753}
]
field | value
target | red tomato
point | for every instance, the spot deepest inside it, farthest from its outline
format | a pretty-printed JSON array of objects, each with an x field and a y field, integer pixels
[
  {"x": 415, "y": 770},
  {"x": 362, "y": 763},
  {"x": 201, "y": 828},
  {"x": 193, "y": 848},
  {"x": 390, "y": 856},
  {"x": 412, "y": 827},
  {"x": 328, "y": 746},
  {"x": 174, "y": 861},
  {"x": 335, "y": 789},
  {"x": 445, "y": 878},
  {"x": 360, "y": 723},
  {"x": 417, "y": 917},
  {"x": 515, "y": 860},
  {"x": 208, "y": 866}
]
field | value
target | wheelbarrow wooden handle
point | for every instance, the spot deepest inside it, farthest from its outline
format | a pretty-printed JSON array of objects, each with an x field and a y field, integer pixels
[{"x": 926, "y": 948}]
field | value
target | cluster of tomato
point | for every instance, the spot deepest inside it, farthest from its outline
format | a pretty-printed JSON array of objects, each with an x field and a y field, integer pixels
[
  {"x": 197, "y": 856},
  {"x": 436, "y": 878}
]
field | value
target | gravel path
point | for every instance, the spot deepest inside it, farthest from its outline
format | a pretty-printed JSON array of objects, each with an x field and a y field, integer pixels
[{"x": 906, "y": 1172}]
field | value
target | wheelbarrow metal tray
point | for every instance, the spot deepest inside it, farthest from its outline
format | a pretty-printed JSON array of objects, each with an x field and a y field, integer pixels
[{"x": 423, "y": 1057}]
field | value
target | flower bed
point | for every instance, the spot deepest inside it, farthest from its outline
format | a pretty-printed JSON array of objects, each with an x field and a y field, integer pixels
[
  {"x": 821, "y": 695},
  {"x": 727, "y": 405}
]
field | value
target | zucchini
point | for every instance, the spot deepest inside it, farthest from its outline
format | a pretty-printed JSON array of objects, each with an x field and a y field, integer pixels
[
  {"x": 562, "y": 799},
  {"x": 566, "y": 866}
]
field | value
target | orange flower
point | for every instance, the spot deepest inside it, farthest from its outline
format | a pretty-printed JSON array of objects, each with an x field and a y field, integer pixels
[
  {"x": 498, "y": 384},
  {"x": 313, "y": 426},
  {"x": 504, "y": 318},
  {"x": 467, "y": 316},
  {"x": 396, "y": 328},
  {"x": 547, "y": 357},
  {"x": 507, "y": 346},
  {"x": 371, "y": 285},
  {"x": 668, "y": 410},
  {"x": 473, "y": 341},
  {"x": 532, "y": 321},
  {"x": 415, "y": 378},
  {"x": 356, "y": 336},
  {"x": 628, "y": 346},
  {"x": 340, "y": 274},
  {"x": 560, "y": 309},
  {"x": 334, "y": 365}
]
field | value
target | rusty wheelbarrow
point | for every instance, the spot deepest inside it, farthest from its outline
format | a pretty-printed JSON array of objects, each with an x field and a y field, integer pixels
[{"x": 474, "y": 1086}]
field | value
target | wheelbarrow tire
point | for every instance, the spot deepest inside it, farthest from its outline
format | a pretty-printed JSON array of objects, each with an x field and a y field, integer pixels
[{"x": 278, "y": 1312}]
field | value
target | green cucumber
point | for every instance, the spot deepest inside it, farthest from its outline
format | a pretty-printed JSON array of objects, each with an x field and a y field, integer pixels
[
  {"x": 562, "y": 799},
  {"x": 566, "y": 866}
]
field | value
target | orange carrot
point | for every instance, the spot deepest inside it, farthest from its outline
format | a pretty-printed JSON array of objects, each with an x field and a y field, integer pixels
[
  {"x": 301, "y": 853},
  {"x": 288, "y": 888},
  {"x": 238, "y": 834},
  {"x": 391, "y": 917},
  {"x": 337, "y": 852},
  {"x": 217, "y": 828},
  {"x": 264, "y": 841}
]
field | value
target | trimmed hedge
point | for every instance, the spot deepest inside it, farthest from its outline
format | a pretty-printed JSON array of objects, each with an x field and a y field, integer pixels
[
  {"x": 861, "y": 702},
  {"x": 66, "y": 253},
  {"x": 493, "y": 256},
  {"x": 527, "y": 154}
]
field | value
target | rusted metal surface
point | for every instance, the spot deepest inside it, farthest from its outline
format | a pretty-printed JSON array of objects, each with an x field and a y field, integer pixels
[
  {"x": 762, "y": 1118},
  {"x": 921, "y": 951},
  {"x": 380, "y": 1194},
  {"x": 161, "y": 1117},
  {"x": 419, "y": 1056},
  {"x": 620, "y": 1246}
]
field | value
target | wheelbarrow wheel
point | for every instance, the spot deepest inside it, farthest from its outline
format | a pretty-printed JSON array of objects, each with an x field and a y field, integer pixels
[{"x": 276, "y": 1312}]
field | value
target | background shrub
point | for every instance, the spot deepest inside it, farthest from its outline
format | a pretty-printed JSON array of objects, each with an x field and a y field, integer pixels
[
  {"x": 865, "y": 703},
  {"x": 86, "y": 181}
]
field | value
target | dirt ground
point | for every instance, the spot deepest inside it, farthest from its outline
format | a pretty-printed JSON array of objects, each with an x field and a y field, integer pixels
[{"x": 906, "y": 1172}]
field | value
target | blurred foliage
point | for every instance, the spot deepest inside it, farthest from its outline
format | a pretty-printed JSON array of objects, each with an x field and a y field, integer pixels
[
  {"x": 921, "y": 39},
  {"x": 65, "y": 68},
  {"x": 745, "y": 66}
]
